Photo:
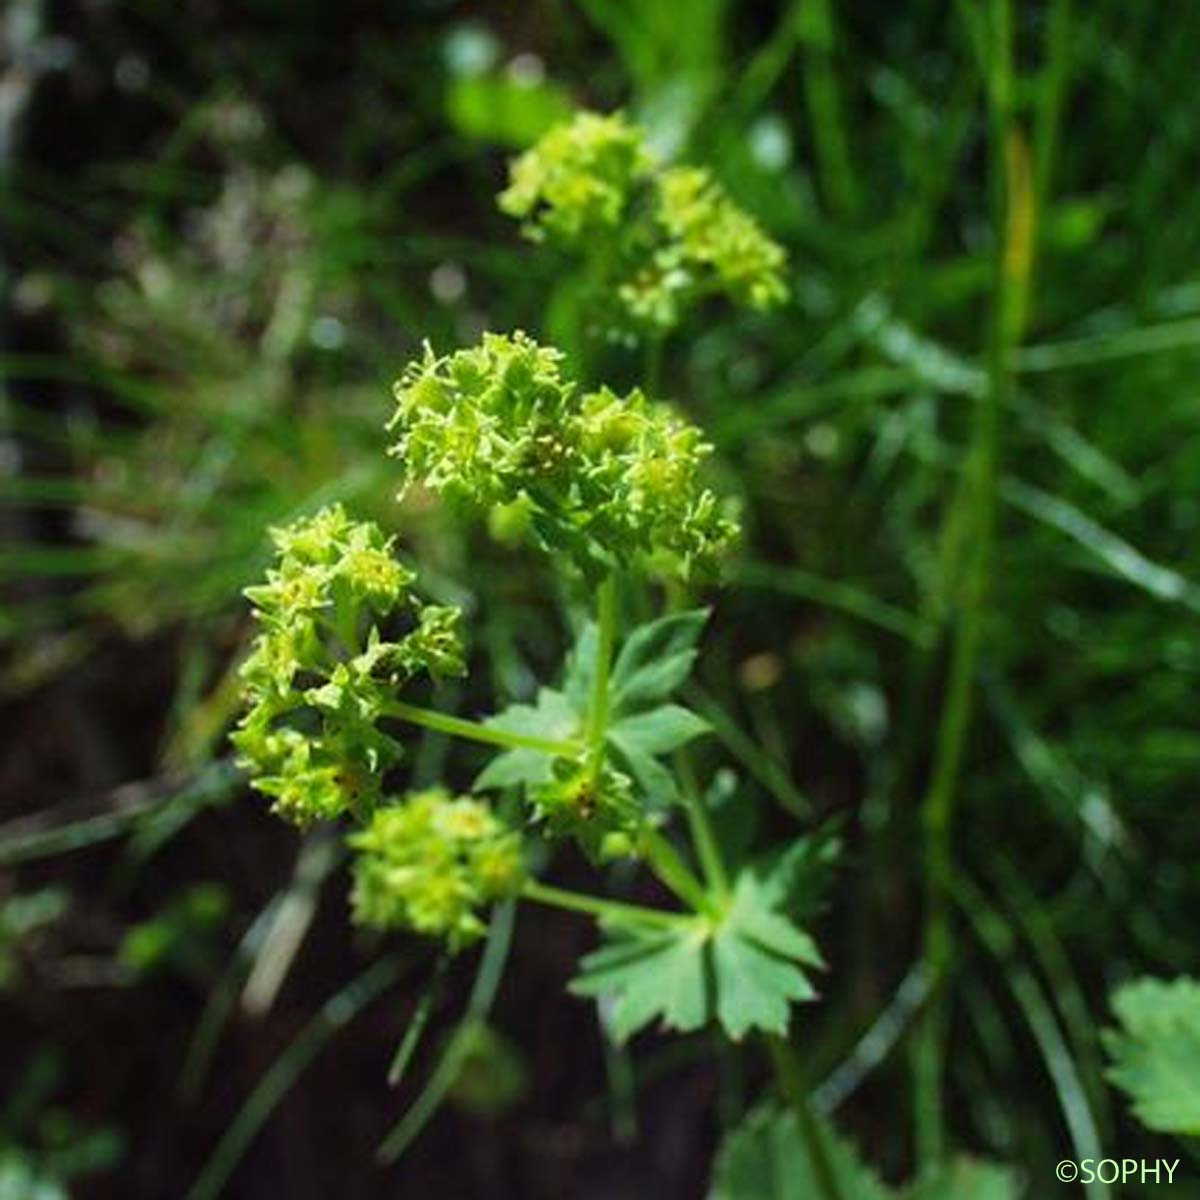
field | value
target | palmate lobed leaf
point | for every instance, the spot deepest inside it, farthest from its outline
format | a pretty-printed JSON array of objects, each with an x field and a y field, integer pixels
[
  {"x": 655, "y": 660},
  {"x": 965, "y": 1179},
  {"x": 643, "y": 726},
  {"x": 637, "y": 740},
  {"x": 580, "y": 670},
  {"x": 650, "y": 973},
  {"x": 744, "y": 971},
  {"x": 1156, "y": 1052},
  {"x": 550, "y": 716},
  {"x": 641, "y": 738},
  {"x": 768, "y": 1158},
  {"x": 796, "y": 877},
  {"x": 659, "y": 730},
  {"x": 652, "y": 662}
]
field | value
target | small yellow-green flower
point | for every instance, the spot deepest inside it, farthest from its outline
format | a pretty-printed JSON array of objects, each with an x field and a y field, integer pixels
[{"x": 429, "y": 864}]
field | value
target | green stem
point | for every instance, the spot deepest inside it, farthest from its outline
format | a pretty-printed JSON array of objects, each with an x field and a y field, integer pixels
[
  {"x": 1013, "y": 202},
  {"x": 700, "y": 827},
  {"x": 664, "y": 860},
  {"x": 476, "y": 731},
  {"x": 792, "y": 1088},
  {"x": 597, "y": 723},
  {"x": 598, "y": 907}
]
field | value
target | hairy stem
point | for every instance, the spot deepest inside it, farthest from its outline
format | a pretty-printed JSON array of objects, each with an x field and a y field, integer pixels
[
  {"x": 597, "y": 906},
  {"x": 476, "y": 731}
]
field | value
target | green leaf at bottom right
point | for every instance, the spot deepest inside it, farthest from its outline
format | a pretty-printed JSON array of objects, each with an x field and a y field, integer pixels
[
  {"x": 1156, "y": 1052},
  {"x": 767, "y": 1158}
]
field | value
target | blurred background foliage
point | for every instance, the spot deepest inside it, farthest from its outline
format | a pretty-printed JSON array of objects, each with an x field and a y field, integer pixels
[{"x": 227, "y": 228}]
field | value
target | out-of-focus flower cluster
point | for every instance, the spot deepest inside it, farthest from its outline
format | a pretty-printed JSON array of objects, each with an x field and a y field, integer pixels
[
  {"x": 577, "y": 182},
  {"x": 321, "y": 671},
  {"x": 656, "y": 240},
  {"x": 430, "y": 862},
  {"x": 605, "y": 480}
]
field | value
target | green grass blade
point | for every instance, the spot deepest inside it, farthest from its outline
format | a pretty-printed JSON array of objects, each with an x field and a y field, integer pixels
[
  {"x": 835, "y": 594},
  {"x": 437, "y": 1088},
  {"x": 337, "y": 1012}
]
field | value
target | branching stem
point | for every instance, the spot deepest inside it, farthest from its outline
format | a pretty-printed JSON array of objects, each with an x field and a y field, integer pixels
[
  {"x": 665, "y": 861},
  {"x": 476, "y": 731},
  {"x": 703, "y": 838},
  {"x": 597, "y": 906}
]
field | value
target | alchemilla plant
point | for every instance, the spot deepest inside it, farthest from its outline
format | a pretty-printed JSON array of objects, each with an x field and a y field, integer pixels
[{"x": 614, "y": 488}]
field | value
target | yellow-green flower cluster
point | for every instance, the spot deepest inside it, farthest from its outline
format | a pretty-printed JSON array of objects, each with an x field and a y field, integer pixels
[
  {"x": 656, "y": 239},
  {"x": 322, "y": 668},
  {"x": 711, "y": 245},
  {"x": 603, "y": 479},
  {"x": 430, "y": 862},
  {"x": 578, "y": 181}
]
